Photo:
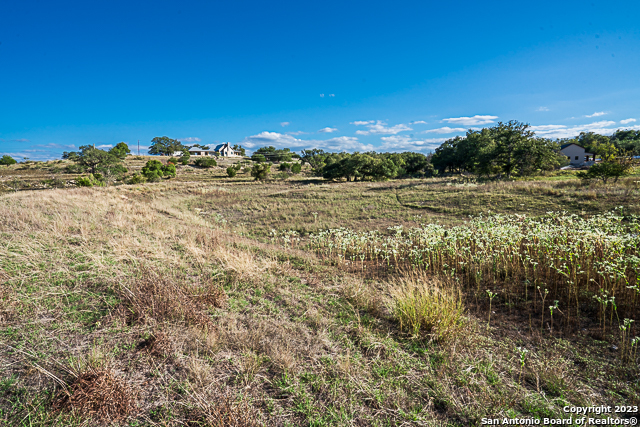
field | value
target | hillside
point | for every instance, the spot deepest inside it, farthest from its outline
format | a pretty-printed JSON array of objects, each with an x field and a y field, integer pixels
[{"x": 205, "y": 300}]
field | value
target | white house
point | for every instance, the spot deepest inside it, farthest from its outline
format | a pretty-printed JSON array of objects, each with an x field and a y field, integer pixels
[
  {"x": 577, "y": 155},
  {"x": 226, "y": 150}
]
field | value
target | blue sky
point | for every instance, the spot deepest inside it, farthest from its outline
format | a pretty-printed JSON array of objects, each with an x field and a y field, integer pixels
[{"x": 385, "y": 76}]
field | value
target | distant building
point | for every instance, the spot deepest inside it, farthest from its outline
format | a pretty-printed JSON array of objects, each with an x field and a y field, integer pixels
[
  {"x": 197, "y": 151},
  {"x": 224, "y": 150},
  {"x": 577, "y": 155}
]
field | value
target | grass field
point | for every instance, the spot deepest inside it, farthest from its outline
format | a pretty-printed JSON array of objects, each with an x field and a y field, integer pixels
[{"x": 206, "y": 300}]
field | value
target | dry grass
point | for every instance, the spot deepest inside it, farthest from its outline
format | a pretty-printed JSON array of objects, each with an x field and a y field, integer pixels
[
  {"x": 427, "y": 305},
  {"x": 225, "y": 328},
  {"x": 99, "y": 394},
  {"x": 153, "y": 298}
]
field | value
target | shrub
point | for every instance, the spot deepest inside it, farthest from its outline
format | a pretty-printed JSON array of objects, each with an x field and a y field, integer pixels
[
  {"x": 260, "y": 171},
  {"x": 173, "y": 160},
  {"x": 7, "y": 160},
  {"x": 169, "y": 170},
  {"x": 184, "y": 159},
  {"x": 605, "y": 170},
  {"x": 281, "y": 175},
  {"x": 284, "y": 166},
  {"x": 136, "y": 178},
  {"x": 259, "y": 158},
  {"x": 425, "y": 305},
  {"x": 231, "y": 171},
  {"x": 154, "y": 170},
  {"x": 205, "y": 162},
  {"x": 296, "y": 168},
  {"x": 85, "y": 181}
]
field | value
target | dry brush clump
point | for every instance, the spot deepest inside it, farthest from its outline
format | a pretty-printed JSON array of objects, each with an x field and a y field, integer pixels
[
  {"x": 98, "y": 393},
  {"x": 220, "y": 409},
  {"x": 155, "y": 298}
]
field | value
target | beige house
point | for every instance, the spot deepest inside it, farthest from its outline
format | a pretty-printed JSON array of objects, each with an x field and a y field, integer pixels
[
  {"x": 197, "y": 151},
  {"x": 577, "y": 155}
]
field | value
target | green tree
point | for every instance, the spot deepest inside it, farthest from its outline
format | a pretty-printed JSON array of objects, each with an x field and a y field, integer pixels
[
  {"x": 415, "y": 163},
  {"x": 594, "y": 143},
  {"x": 165, "y": 146},
  {"x": 231, "y": 171},
  {"x": 7, "y": 160},
  {"x": 511, "y": 142},
  {"x": 96, "y": 161},
  {"x": 274, "y": 155},
  {"x": 260, "y": 171},
  {"x": 184, "y": 159},
  {"x": 239, "y": 149},
  {"x": 260, "y": 158},
  {"x": 121, "y": 150},
  {"x": 296, "y": 168}
]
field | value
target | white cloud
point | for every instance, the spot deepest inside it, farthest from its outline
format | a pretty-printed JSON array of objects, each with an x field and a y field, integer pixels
[
  {"x": 627, "y": 121},
  {"x": 470, "y": 121},
  {"x": 380, "y": 128},
  {"x": 406, "y": 143},
  {"x": 340, "y": 143},
  {"x": 190, "y": 139},
  {"x": 328, "y": 130},
  {"x": 322, "y": 95},
  {"x": 445, "y": 129},
  {"x": 561, "y": 131},
  {"x": 298, "y": 132},
  {"x": 331, "y": 95},
  {"x": 283, "y": 124},
  {"x": 542, "y": 109},
  {"x": 362, "y": 122},
  {"x": 544, "y": 128},
  {"x": 103, "y": 146},
  {"x": 598, "y": 114},
  {"x": 418, "y": 122}
]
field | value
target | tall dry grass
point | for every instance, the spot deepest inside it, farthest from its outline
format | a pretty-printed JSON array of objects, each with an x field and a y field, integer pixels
[{"x": 426, "y": 305}]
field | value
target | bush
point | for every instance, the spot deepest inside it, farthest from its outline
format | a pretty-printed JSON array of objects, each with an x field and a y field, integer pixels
[
  {"x": 259, "y": 158},
  {"x": 260, "y": 171},
  {"x": 231, "y": 171},
  {"x": 154, "y": 170},
  {"x": 169, "y": 170},
  {"x": 90, "y": 180},
  {"x": 284, "y": 166},
  {"x": 205, "y": 162},
  {"x": 422, "y": 305},
  {"x": 7, "y": 160},
  {"x": 605, "y": 170},
  {"x": 84, "y": 181},
  {"x": 136, "y": 178},
  {"x": 296, "y": 168},
  {"x": 184, "y": 159},
  {"x": 173, "y": 160}
]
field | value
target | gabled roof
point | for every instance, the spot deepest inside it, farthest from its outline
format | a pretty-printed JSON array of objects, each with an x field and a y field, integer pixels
[
  {"x": 563, "y": 146},
  {"x": 221, "y": 146}
]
